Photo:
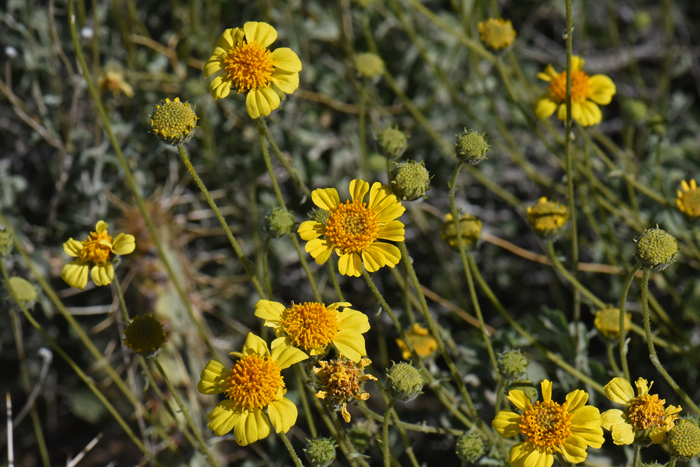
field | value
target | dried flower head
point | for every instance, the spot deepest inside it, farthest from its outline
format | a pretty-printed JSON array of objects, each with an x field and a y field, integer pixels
[
  {"x": 656, "y": 249},
  {"x": 173, "y": 121},
  {"x": 112, "y": 79},
  {"x": 423, "y": 343},
  {"x": 607, "y": 322},
  {"x": 340, "y": 381},
  {"x": 470, "y": 231},
  {"x": 547, "y": 217},
  {"x": 472, "y": 147},
  {"x": 145, "y": 335},
  {"x": 497, "y": 33},
  {"x": 688, "y": 200},
  {"x": 410, "y": 180},
  {"x": 369, "y": 65},
  {"x": 393, "y": 142}
]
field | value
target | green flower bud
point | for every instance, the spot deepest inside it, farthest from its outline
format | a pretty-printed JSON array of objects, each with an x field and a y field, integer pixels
[
  {"x": 393, "y": 142},
  {"x": 320, "y": 215},
  {"x": 636, "y": 110},
  {"x": 5, "y": 243},
  {"x": 470, "y": 231},
  {"x": 360, "y": 435},
  {"x": 320, "y": 452},
  {"x": 525, "y": 386},
  {"x": 174, "y": 122},
  {"x": 22, "y": 290},
  {"x": 512, "y": 364},
  {"x": 404, "y": 383},
  {"x": 471, "y": 147},
  {"x": 369, "y": 65},
  {"x": 470, "y": 447},
  {"x": 684, "y": 440},
  {"x": 656, "y": 249},
  {"x": 642, "y": 20},
  {"x": 410, "y": 180},
  {"x": 279, "y": 222}
]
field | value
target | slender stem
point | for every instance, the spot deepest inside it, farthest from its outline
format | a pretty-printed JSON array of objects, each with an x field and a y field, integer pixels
[
  {"x": 307, "y": 270},
  {"x": 334, "y": 280},
  {"x": 122, "y": 303},
  {"x": 301, "y": 387},
  {"x": 234, "y": 243},
  {"x": 342, "y": 434},
  {"x": 623, "y": 315},
  {"x": 283, "y": 160},
  {"x": 560, "y": 267},
  {"x": 650, "y": 342},
  {"x": 407, "y": 426},
  {"x": 637, "y": 460},
  {"x": 611, "y": 359},
  {"x": 562, "y": 460},
  {"x": 266, "y": 271},
  {"x": 672, "y": 462},
  {"x": 385, "y": 432},
  {"x": 290, "y": 448},
  {"x": 363, "y": 130}
]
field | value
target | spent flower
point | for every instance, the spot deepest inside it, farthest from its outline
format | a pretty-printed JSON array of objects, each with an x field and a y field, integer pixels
[
  {"x": 145, "y": 335},
  {"x": 341, "y": 381},
  {"x": 656, "y": 249}
]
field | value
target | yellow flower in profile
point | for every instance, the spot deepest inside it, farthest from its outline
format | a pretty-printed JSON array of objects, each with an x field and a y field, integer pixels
[
  {"x": 550, "y": 428},
  {"x": 352, "y": 229},
  {"x": 250, "y": 68},
  {"x": 341, "y": 381},
  {"x": 607, "y": 322},
  {"x": 98, "y": 251},
  {"x": 313, "y": 326},
  {"x": 547, "y": 217},
  {"x": 688, "y": 200},
  {"x": 253, "y": 383},
  {"x": 586, "y": 93},
  {"x": 423, "y": 343},
  {"x": 497, "y": 33},
  {"x": 644, "y": 412}
]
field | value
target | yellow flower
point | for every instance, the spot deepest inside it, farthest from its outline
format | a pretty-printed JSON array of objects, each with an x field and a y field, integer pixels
[
  {"x": 549, "y": 428},
  {"x": 97, "y": 251},
  {"x": 353, "y": 228},
  {"x": 547, "y": 217},
  {"x": 607, "y": 322},
  {"x": 312, "y": 326},
  {"x": 251, "y": 385},
  {"x": 642, "y": 413},
  {"x": 422, "y": 341},
  {"x": 688, "y": 200},
  {"x": 250, "y": 68},
  {"x": 340, "y": 381},
  {"x": 586, "y": 93},
  {"x": 497, "y": 33}
]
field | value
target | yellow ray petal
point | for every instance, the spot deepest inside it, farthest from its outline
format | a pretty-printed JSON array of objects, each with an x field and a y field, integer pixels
[
  {"x": 358, "y": 190},
  {"x": 268, "y": 310},
  {"x": 286, "y": 82},
  {"x": 254, "y": 345},
  {"x": 283, "y": 414},
  {"x": 392, "y": 255},
  {"x": 350, "y": 265},
  {"x": 319, "y": 249},
  {"x": 546, "y": 390},
  {"x": 373, "y": 259},
  {"x": 574, "y": 449},
  {"x": 124, "y": 244},
  {"x": 575, "y": 400},
  {"x": 350, "y": 344},
  {"x": 392, "y": 231},
  {"x": 75, "y": 274},
  {"x": 259, "y": 32},
  {"x": 101, "y": 226},
  {"x": 519, "y": 399},
  {"x": 506, "y": 423},
  {"x": 325, "y": 198},
  {"x": 308, "y": 230},
  {"x": 223, "y": 418},
  {"x": 619, "y": 391},
  {"x": 213, "y": 378},
  {"x": 288, "y": 356},
  {"x": 271, "y": 98},
  {"x": 545, "y": 107},
  {"x": 353, "y": 320},
  {"x": 102, "y": 274},
  {"x": 286, "y": 59},
  {"x": 74, "y": 247}
]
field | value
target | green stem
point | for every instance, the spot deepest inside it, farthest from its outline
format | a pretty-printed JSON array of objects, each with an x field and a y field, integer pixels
[
  {"x": 122, "y": 303},
  {"x": 611, "y": 359},
  {"x": 650, "y": 342},
  {"x": 385, "y": 432},
  {"x": 562, "y": 460},
  {"x": 283, "y": 160},
  {"x": 234, "y": 243},
  {"x": 637, "y": 460},
  {"x": 266, "y": 271},
  {"x": 352, "y": 454},
  {"x": 299, "y": 373},
  {"x": 290, "y": 448},
  {"x": 363, "y": 130},
  {"x": 623, "y": 315},
  {"x": 672, "y": 462},
  {"x": 407, "y": 426},
  {"x": 334, "y": 280},
  {"x": 560, "y": 267},
  {"x": 307, "y": 269}
]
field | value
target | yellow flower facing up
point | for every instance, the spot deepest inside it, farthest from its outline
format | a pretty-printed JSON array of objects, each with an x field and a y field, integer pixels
[
  {"x": 253, "y": 384},
  {"x": 97, "y": 251},
  {"x": 497, "y": 33},
  {"x": 688, "y": 200},
  {"x": 341, "y": 381},
  {"x": 313, "y": 326},
  {"x": 549, "y": 427},
  {"x": 422, "y": 341},
  {"x": 587, "y": 92},
  {"x": 643, "y": 413},
  {"x": 251, "y": 68},
  {"x": 353, "y": 228}
]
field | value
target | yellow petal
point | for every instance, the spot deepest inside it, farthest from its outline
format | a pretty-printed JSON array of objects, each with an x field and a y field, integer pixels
[
  {"x": 213, "y": 65},
  {"x": 391, "y": 254},
  {"x": 519, "y": 452},
  {"x": 308, "y": 230},
  {"x": 213, "y": 379},
  {"x": 392, "y": 230},
  {"x": 658, "y": 435},
  {"x": 286, "y": 82},
  {"x": 353, "y": 320},
  {"x": 218, "y": 88},
  {"x": 286, "y": 59},
  {"x": 588, "y": 416},
  {"x": 74, "y": 247},
  {"x": 319, "y": 249},
  {"x": 548, "y": 74},
  {"x": 574, "y": 449},
  {"x": 350, "y": 265},
  {"x": 588, "y": 113},
  {"x": 284, "y": 341},
  {"x": 351, "y": 344},
  {"x": 546, "y": 390},
  {"x": 612, "y": 417},
  {"x": 271, "y": 98},
  {"x": 325, "y": 198},
  {"x": 602, "y": 89},
  {"x": 229, "y": 38},
  {"x": 101, "y": 226},
  {"x": 288, "y": 356},
  {"x": 124, "y": 244},
  {"x": 251, "y": 427},
  {"x": 102, "y": 274},
  {"x": 256, "y": 104},
  {"x": 269, "y": 311},
  {"x": 575, "y": 400},
  {"x": 623, "y": 434},
  {"x": 383, "y": 203},
  {"x": 577, "y": 63},
  {"x": 642, "y": 386},
  {"x": 373, "y": 259},
  {"x": 594, "y": 438},
  {"x": 692, "y": 184},
  {"x": 75, "y": 274},
  {"x": 223, "y": 418},
  {"x": 283, "y": 414},
  {"x": 520, "y": 400},
  {"x": 506, "y": 423},
  {"x": 358, "y": 189},
  {"x": 684, "y": 185},
  {"x": 545, "y": 107},
  {"x": 259, "y": 32},
  {"x": 619, "y": 391},
  {"x": 254, "y": 345},
  {"x": 538, "y": 459}
]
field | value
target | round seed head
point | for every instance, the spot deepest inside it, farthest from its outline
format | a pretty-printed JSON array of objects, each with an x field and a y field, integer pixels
[
  {"x": 279, "y": 222},
  {"x": 410, "y": 180},
  {"x": 320, "y": 452},
  {"x": 145, "y": 335},
  {"x": 656, "y": 249},
  {"x": 471, "y": 147},
  {"x": 393, "y": 142},
  {"x": 174, "y": 121}
]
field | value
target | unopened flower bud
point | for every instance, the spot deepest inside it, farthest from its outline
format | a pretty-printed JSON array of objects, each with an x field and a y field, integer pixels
[
  {"x": 404, "y": 382},
  {"x": 369, "y": 65},
  {"x": 607, "y": 322},
  {"x": 512, "y": 364},
  {"x": 410, "y": 180},
  {"x": 547, "y": 217},
  {"x": 320, "y": 452},
  {"x": 656, "y": 249},
  {"x": 393, "y": 142},
  {"x": 470, "y": 447},
  {"x": 22, "y": 290},
  {"x": 471, "y": 147},
  {"x": 279, "y": 222},
  {"x": 470, "y": 231}
]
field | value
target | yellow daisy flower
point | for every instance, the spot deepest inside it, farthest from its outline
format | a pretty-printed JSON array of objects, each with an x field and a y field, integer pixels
[
  {"x": 549, "y": 428},
  {"x": 312, "y": 326},
  {"x": 249, "y": 67},
  {"x": 253, "y": 384},
  {"x": 642, "y": 413},
  {"x": 352, "y": 229},
  {"x": 98, "y": 251},
  {"x": 422, "y": 341},
  {"x": 688, "y": 200},
  {"x": 586, "y": 93}
]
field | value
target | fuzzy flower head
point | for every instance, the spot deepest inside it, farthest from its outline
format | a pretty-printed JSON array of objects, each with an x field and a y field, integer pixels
[
  {"x": 393, "y": 142},
  {"x": 656, "y": 249},
  {"x": 587, "y": 92},
  {"x": 21, "y": 290},
  {"x": 353, "y": 228},
  {"x": 312, "y": 326},
  {"x": 410, "y": 180},
  {"x": 279, "y": 222},
  {"x": 497, "y": 33},
  {"x": 547, "y": 217},
  {"x": 469, "y": 230},
  {"x": 684, "y": 440},
  {"x": 688, "y": 200},
  {"x": 320, "y": 452},
  {"x": 549, "y": 427},
  {"x": 97, "y": 251},
  {"x": 341, "y": 381},
  {"x": 145, "y": 335},
  {"x": 369, "y": 65},
  {"x": 470, "y": 447},
  {"x": 643, "y": 415},
  {"x": 471, "y": 147},
  {"x": 423, "y": 343},
  {"x": 174, "y": 121},
  {"x": 253, "y": 383},
  {"x": 404, "y": 382},
  {"x": 250, "y": 68},
  {"x": 607, "y": 322}
]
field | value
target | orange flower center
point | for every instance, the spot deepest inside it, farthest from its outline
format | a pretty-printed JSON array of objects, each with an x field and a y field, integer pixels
[
  {"x": 254, "y": 382},
  {"x": 646, "y": 411},
  {"x": 546, "y": 425},
  {"x": 311, "y": 326},
  {"x": 249, "y": 66},
  {"x": 689, "y": 203},
  {"x": 97, "y": 248},
  {"x": 352, "y": 227},
  {"x": 580, "y": 87}
]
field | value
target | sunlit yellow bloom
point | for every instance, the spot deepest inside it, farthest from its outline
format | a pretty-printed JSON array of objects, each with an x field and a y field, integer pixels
[
  {"x": 352, "y": 229},
  {"x": 644, "y": 412},
  {"x": 341, "y": 381},
  {"x": 607, "y": 322},
  {"x": 423, "y": 343},
  {"x": 586, "y": 93},
  {"x": 497, "y": 33},
  {"x": 313, "y": 326},
  {"x": 547, "y": 217},
  {"x": 97, "y": 251},
  {"x": 549, "y": 428},
  {"x": 251, "y": 68},
  {"x": 688, "y": 200},
  {"x": 253, "y": 383}
]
